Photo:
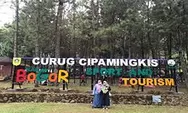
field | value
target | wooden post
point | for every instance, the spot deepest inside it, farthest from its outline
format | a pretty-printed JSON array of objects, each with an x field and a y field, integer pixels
[{"x": 15, "y": 40}]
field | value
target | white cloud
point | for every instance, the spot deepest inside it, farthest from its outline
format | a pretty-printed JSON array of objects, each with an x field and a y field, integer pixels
[{"x": 6, "y": 12}]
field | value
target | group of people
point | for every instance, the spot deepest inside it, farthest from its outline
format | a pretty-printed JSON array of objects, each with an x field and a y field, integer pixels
[{"x": 101, "y": 93}]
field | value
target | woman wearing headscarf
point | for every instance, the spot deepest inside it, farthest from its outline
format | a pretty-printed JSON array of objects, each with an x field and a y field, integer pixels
[
  {"x": 97, "y": 99},
  {"x": 105, "y": 95}
]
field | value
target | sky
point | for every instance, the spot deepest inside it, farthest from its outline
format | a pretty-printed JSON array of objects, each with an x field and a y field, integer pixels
[{"x": 7, "y": 12}]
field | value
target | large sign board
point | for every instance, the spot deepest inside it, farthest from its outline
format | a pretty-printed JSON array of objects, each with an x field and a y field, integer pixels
[{"x": 140, "y": 71}]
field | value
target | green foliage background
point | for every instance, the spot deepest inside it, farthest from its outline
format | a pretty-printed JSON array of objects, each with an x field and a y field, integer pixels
[{"x": 99, "y": 28}]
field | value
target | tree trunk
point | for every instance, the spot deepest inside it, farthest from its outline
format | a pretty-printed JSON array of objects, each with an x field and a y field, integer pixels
[
  {"x": 37, "y": 37},
  {"x": 184, "y": 64},
  {"x": 58, "y": 32},
  {"x": 58, "y": 28},
  {"x": 15, "y": 40},
  {"x": 148, "y": 32}
]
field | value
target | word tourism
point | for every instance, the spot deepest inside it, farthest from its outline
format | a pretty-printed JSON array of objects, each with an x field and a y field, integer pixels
[
  {"x": 149, "y": 81},
  {"x": 95, "y": 61}
]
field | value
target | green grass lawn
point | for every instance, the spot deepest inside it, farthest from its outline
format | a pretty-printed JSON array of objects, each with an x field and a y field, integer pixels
[{"x": 86, "y": 108}]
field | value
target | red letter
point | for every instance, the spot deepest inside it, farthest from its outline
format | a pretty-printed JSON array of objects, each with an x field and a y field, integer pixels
[{"x": 20, "y": 75}]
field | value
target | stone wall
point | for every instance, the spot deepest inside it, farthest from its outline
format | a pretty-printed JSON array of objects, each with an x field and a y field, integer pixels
[{"x": 144, "y": 99}]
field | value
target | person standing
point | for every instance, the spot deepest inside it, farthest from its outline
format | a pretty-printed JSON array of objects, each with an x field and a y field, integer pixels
[
  {"x": 105, "y": 95},
  {"x": 120, "y": 81},
  {"x": 82, "y": 78},
  {"x": 97, "y": 99}
]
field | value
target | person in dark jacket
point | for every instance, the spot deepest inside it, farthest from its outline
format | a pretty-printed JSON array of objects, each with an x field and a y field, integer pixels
[{"x": 105, "y": 95}]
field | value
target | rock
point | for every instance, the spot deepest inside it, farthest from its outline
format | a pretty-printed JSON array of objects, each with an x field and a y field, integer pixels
[
  {"x": 5, "y": 98},
  {"x": 144, "y": 99},
  {"x": 11, "y": 90},
  {"x": 72, "y": 101},
  {"x": 61, "y": 89},
  {"x": 17, "y": 96},
  {"x": 20, "y": 90},
  {"x": 34, "y": 90}
]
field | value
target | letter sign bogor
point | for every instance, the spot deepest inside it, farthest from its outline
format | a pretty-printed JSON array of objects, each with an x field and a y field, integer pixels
[{"x": 31, "y": 77}]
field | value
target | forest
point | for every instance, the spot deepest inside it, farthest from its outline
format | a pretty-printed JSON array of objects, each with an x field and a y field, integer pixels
[
  {"x": 101, "y": 29},
  {"x": 97, "y": 28}
]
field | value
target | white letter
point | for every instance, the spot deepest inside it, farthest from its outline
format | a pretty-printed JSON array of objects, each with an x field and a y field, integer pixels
[
  {"x": 44, "y": 63},
  {"x": 149, "y": 62},
  {"x": 61, "y": 61},
  {"x": 93, "y": 61},
  {"x": 141, "y": 62},
  {"x": 117, "y": 62},
  {"x": 132, "y": 62},
  {"x": 81, "y": 62},
  {"x": 123, "y": 62},
  {"x": 88, "y": 61},
  {"x": 101, "y": 62},
  {"x": 70, "y": 61},
  {"x": 154, "y": 63},
  {"x": 111, "y": 62},
  {"x": 53, "y": 61},
  {"x": 36, "y": 61}
]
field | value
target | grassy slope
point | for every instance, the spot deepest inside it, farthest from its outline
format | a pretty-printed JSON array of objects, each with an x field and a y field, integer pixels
[{"x": 85, "y": 108}]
